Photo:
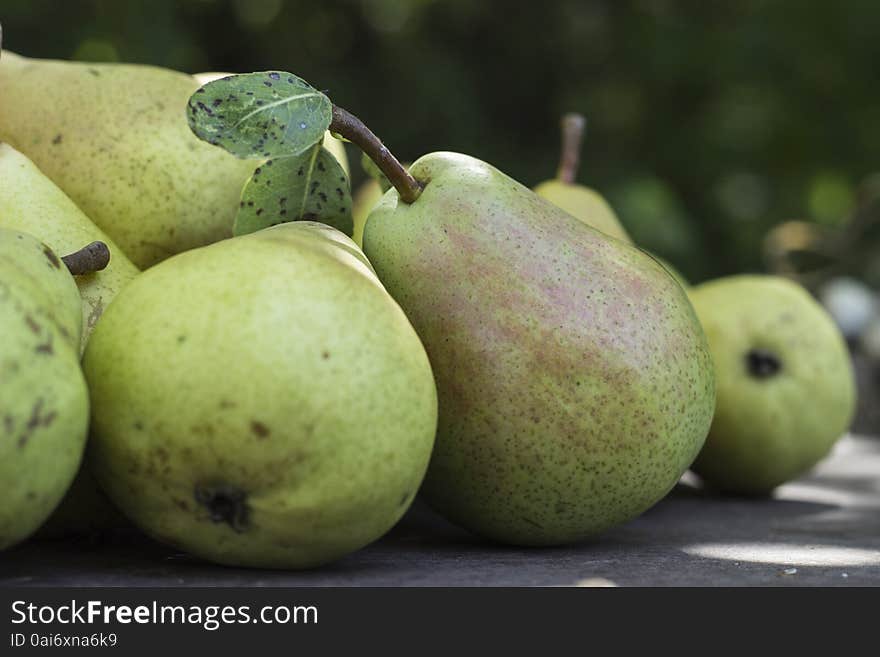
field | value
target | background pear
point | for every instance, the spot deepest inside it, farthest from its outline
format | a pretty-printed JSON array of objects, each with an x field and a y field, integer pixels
[
  {"x": 114, "y": 137},
  {"x": 44, "y": 406},
  {"x": 364, "y": 200},
  {"x": 574, "y": 381},
  {"x": 785, "y": 386},
  {"x": 261, "y": 401},
  {"x": 578, "y": 200}
]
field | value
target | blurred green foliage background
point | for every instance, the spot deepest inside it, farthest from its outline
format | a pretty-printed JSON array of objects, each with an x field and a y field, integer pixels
[{"x": 709, "y": 122}]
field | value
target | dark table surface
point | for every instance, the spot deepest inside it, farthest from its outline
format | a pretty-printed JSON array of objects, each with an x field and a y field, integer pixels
[{"x": 823, "y": 529}]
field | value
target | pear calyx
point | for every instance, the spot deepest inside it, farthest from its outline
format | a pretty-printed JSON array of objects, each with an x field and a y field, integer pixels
[{"x": 762, "y": 364}]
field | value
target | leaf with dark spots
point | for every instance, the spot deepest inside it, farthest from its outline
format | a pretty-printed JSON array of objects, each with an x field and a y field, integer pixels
[
  {"x": 251, "y": 125},
  {"x": 295, "y": 189}
]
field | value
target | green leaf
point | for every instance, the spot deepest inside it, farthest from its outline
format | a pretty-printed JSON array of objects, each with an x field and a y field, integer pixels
[
  {"x": 373, "y": 171},
  {"x": 309, "y": 187},
  {"x": 257, "y": 115}
]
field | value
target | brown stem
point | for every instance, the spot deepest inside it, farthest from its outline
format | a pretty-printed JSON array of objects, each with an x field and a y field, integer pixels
[
  {"x": 573, "y": 126},
  {"x": 352, "y": 128},
  {"x": 89, "y": 259}
]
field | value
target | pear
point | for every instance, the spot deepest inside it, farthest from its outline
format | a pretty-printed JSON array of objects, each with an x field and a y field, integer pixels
[
  {"x": 115, "y": 138},
  {"x": 579, "y": 201},
  {"x": 574, "y": 381},
  {"x": 363, "y": 202},
  {"x": 30, "y": 202},
  {"x": 785, "y": 384},
  {"x": 335, "y": 146},
  {"x": 44, "y": 405},
  {"x": 261, "y": 401}
]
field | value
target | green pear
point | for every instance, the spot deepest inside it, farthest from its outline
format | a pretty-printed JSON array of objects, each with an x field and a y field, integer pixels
[
  {"x": 115, "y": 138},
  {"x": 44, "y": 405},
  {"x": 30, "y": 202},
  {"x": 261, "y": 401},
  {"x": 335, "y": 146},
  {"x": 365, "y": 199},
  {"x": 579, "y": 201},
  {"x": 785, "y": 385},
  {"x": 574, "y": 381}
]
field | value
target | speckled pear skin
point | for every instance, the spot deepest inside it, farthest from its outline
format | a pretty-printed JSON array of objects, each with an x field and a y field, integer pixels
[
  {"x": 115, "y": 138},
  {"x": 585, "y": 204},
  {"x": 30, "y": 202},
  {"x": 574, "y": 380},
  {"x": 771, "y": 428},
  {"x": 261, "y": 401},
  {"x": 44, "y": 405}
]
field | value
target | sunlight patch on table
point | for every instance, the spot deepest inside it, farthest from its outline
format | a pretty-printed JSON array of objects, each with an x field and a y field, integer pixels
[{"x": 786, "y": 554}]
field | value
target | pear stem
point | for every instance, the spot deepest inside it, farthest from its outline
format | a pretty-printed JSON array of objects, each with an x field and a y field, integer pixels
[
  {"x": 573, "y": 128},
  {"x": 89, "y": 259},
  {"x": 352, "y": 128}
]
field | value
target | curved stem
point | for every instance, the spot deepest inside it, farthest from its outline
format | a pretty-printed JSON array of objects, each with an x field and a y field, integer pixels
[
  {"x": 352, "y": 128},
  {"x": 573, "y": 127},
  {"x": 89, "y": 259}
]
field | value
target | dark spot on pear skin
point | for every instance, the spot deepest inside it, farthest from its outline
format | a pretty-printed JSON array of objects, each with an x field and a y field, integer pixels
[
  {"x": 8, "y": 423},
  {"x": 325, "y": 355},
  {"x": 51, "y": 257},
  {"x": 259, "y": 429},
  {"x": 225, "y": 403},
  {"x": 32, "y": 324},
  {"x": 404, "y": 499},
  {"x": 36, "y": 420},
  {"x": 762, "y": 364},
  {"x": 138, "y": 425},
  {"x": 57, "y": 139},
  {"x": 45, "y": 347},
  {"x": 226, "y": 504}
]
